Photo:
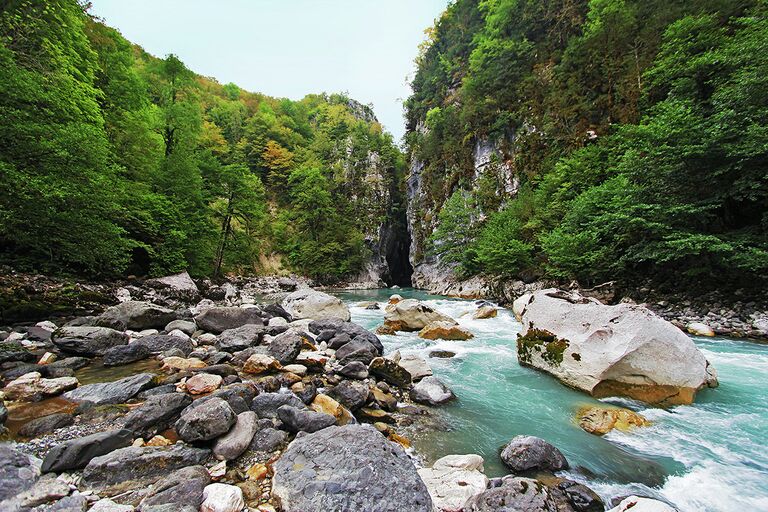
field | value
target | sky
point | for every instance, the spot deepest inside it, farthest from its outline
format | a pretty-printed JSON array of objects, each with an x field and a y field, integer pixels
[{"x": 288, "y": 48}]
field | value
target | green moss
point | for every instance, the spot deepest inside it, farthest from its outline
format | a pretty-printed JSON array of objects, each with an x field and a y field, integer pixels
[{"x": 547, "y": 344}]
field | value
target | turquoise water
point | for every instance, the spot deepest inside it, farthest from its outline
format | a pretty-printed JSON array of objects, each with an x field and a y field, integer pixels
[{"x": 710, "y": 456}]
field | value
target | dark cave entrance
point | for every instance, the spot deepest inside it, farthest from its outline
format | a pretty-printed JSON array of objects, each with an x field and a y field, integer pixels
[{"x": 400, "y": 269}]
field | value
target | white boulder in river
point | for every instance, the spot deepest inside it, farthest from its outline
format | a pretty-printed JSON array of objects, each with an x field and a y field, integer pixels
[
  {"x": 622, "y": 350},
  {"x": 309, "y": 303}
]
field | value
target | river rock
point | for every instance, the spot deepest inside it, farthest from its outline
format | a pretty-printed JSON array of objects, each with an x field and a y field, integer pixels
[
  {"x": 308, "y": 303},
  {"x": 183, "y": 487},
  {"x": 157, "y": 413},
  {"x": 431, "y": 391},
  {"x": 135, "y": 467},
  {"x": 526, "y": 453},
  {"x": 117, "y": 392},
  {"x": 390, "y": 371},
  {"x": 600, "y": 419},
  {"x": 357, "y": 350},
  {"x": 178, "y": 286},
  {"x": 31, "y": 387},
  {"x": 637, "y": 504},
  {"x": 77, "y": 453},
  {"x": 45, "y": 490},
  {"x": 604, "y": 350},
  {"x": 205, "y": 421},
  {"x": 412, "y": 315},
  {"x": 158, "y": 343},
  {"x": 176, "y": 363},
  {"x": 267, "y": 438},
  {"x": 453, "y": 479},
  {"x": 514, "y": 495},
  {"x": 222, "y": 498},
  {"x": 261, "y": 363},
  {"x": 267, "y": 404},
  {"x": 304, "y": 420},
  {"x": 240, "y": 338},
  {"x": 286, "y": 346},
  {"x": 203, "y": 383},
  {"x": 221, "y": 318},
  {"x": 239, "y": 396},
  {"x": 325, "y": 404},
  {"x": 322, "y": 471},
  {"x": 700, "y": 329},
  {"x": 125, "y": 354},
  {"x": 231, "y": 445},
  {"x": 46, "y": 424},
  {"x": 417, "y": 366},
  {"x": 484, "y": 312},
  {"x": 18, "y": 471},
  {"x": 15, "y": 351},
  {"x": 88, "y": 341},
  {"x": 445, "y": 331},
  {"x": 352, "y": 394},
  {"x": 136, "y": 316},
  {"x": 188, "y": 327},
  {"x": 355, "y": 370}
]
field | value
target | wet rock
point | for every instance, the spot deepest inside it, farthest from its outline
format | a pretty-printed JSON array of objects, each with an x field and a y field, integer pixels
[
  {"x": 700, "y": 329},
  {"x": 416, "y": 366},
  {"x": 240, "y": 338},
  {"x": 221, "y": 318},
  {"x": 390, "y": 371},
  {"x": 261, "y": 363},
  {"x": 18, "y": 471},
  {"x": 578, "y": 496},
  {"x": 514, "y": 495},
  {"x": 286, "y": 346},
  {"x": 203, "y": 383},
  {"x": 526, "y": 453},
  {"x": 88, "y": 341},
  {"x": 355, "y": 370},
  {"x": 136, "y": 316},
  {"x": 175, "y": 363},
  {"x": 222, "y": 370},
  {"x": 484, "y": 312},
  {"x": 231, "y": 445},
  {"x": 303, "y": 420},
  {"x": 157, "y": 343},
  {"x": 637, "y": 504},
  {"x": 15, "y": 351},
  {"x": 384, "y": 399},
  {"x": 77, "y": 453},
  {"x": 322, "y": 471},
  {"x": 442, "y": 354},
  {"x": 445, "y": 331},
  {"x": 431, "y": 391},
  {"x": 412, "y": 315},
  {"x": 156, "y": 414},
  {"x": 178, "y": 286},
  {"x": 601, "y": 420},
  {"x": 314, "y": 304},
  {"x": 325, "y": 404},
  {"x": 125, "y": 354},
  {"x": 335, "y": 327},
  {"x": 222, "y": 498},
  {"x": 453, "y": 479},
  {"x": 117, "y": 392},
  {"x": 46, "y": 424},
  {"x": 31, "y": 387},
  {"x": 134, "y": 467},
  {"x": 351, "y": 394},
  {"x": 357, "y": 350},
  {"x": 206, "y": 421},
  {"x": 73, "y": 363},
  {"x": 183, "y": 487}
]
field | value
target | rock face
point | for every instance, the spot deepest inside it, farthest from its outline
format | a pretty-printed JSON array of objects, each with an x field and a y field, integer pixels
[
  {"x": 117, "y": 392},
  {"x": 157, "y": 413},
  {"x": 220, "y": 319},
  {"x": 623, "y": 350},
  {"x": 88, "y": 341},
  {"x": 445, "y": 331},
  {"x": 601, "y": 420},
  {"x": 132, "y": 467},
  {"x": 453, "y": 479},
  {"x": 18, "y": 471},
  {"x": 348, "y": 469},
  {"x": 136, "y": 315},
  {"x": 527, "y": 453},
  {"x": 206, "y": 421},
  {"x": 316, "y": 305},
  {"x": 31, "y": 387},
  {"x": 412, "y": 315},
  {"x": 431, "y": 391},
  {"x": 77, "y": 453}
]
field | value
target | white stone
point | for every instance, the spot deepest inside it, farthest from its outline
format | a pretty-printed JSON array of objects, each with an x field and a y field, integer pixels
[
  {"x": 699, "y": 329},
  {"x": 635, "y": 504},
  {"x": 222, "y": 498},
  {"x": 147, "y": 332},
  {"x": 47, "y": 325},
  {"x": 452, "y": 480},
  {"x": 277, "y": 321},
  {"x": 308, "y": 303},
  {"x": 107, "y": 505},
  {"x": 122, "y": 295},
  {"x": 298, "y": 369},
  {"x": 518, "y": 306},
  {"x": 179, "y": 334},
  {"x": 417, "y": 366},
  {"x": 611, "y": 348}
]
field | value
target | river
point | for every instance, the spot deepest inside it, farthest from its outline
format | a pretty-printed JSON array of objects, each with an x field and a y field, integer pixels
[{"x": 710, "y": 456}]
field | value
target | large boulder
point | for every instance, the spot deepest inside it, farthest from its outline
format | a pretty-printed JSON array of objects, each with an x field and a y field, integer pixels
[
  {"x": 117, "y": 392},
  {"x": 18, "y": 471},
  {"x": 351, "y": 394},
  {"x": 31, "y": 387},
  {"x": 453, "y": 479},
  {"x": 431, "y": 391},
  {"x": 515, "y": 495},
  {"x": 205, "y": 421},
  {"x": 358, "y": 350},
  {"x": 416, "y": 365},
  {"x": 308, "y": 303},
  {"x": 77, "y": 453},
  {"x": 158, "y": 413},
  {"x": 412, "y": 315},
  {"x": 178, "y": 286},
  {"x": 390, "y": 371},
  {"x": 529, "y": 453},
  {"x": 700, "y": 329},
  {"x": 231, "y": 445},
  {"x": 286, "y": 346},
  {"x": 240, "y": 338},
  {"x": 88, "y": 341},
  {"x": 622, "y": 350},
  {"x": 445, "y": 331},
  {"x": 600, "y": 420},
  {"x": 136, "y": 315},
  {"x": 183, "y": 487},
  {"x": 221, "y": 318},
  {"x": 133, "y": 467},
  {"x": 348, "y": 469}
]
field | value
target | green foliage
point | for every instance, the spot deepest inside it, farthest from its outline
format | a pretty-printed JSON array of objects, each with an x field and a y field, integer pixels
[{"x": 499, "y": 248}]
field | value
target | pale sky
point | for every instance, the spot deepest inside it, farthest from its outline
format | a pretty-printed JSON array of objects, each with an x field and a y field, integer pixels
[{"x": 288, "y": 48}]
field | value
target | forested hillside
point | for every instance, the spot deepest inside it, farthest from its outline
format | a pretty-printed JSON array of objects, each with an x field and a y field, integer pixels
[
  {"x": 113, "y": 162},
  {"x": 594, "y": 140}
]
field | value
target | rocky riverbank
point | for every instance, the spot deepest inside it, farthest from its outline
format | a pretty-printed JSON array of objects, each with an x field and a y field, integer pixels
[{"x": 215, "y": 399}]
